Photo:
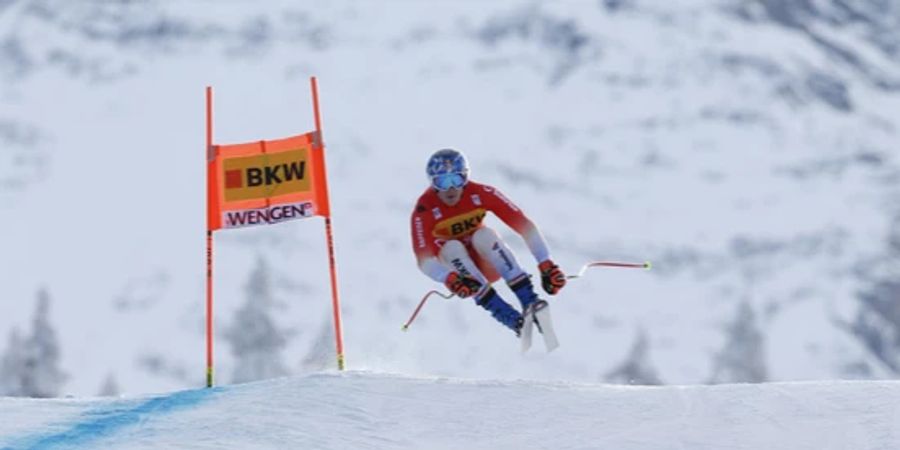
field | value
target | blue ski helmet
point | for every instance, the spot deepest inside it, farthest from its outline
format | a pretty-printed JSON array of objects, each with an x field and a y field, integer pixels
[{"x": 447, "y": 168}]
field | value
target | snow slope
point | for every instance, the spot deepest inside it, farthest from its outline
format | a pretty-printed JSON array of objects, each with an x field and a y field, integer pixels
[{"x": 379, "y": 411}]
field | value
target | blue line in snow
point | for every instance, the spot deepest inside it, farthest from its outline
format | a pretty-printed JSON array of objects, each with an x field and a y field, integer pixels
[{"x": 108, "y": 420}]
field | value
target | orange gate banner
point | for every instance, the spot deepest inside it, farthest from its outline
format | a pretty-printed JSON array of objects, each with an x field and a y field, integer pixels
[{"x": 266, "y": 182}]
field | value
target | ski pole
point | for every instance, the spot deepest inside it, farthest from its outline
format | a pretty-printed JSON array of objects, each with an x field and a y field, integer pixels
[
  {"x": 644, "y": 265},
  {"x": 422, "y": 303}
]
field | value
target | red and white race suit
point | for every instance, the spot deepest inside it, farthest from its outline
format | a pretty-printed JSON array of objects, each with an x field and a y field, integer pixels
[{"x": 453, "y": 238}]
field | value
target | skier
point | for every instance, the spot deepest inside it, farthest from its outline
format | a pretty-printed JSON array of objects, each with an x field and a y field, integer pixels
[{"x": 455, "y": 248}]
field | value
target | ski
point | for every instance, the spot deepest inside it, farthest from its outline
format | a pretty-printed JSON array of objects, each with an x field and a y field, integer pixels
[
  {"x": 544, "y": 323},
  {"x": 538, "y": 315},
  {"x": 527, "y": 329}
]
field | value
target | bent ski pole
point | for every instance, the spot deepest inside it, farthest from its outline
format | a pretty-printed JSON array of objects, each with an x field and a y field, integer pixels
[
  {"x": 422, "y": 303},
  {"x": 644, "y": 265}
]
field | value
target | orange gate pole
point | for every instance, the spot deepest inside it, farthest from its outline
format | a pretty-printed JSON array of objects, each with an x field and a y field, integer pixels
[
  {"x": 318, "y": 145},
  {"x": 210, "y": 183}
]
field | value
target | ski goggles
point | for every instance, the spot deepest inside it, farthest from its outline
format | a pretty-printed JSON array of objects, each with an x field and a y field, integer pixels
[{"x": 447, "y": 181}]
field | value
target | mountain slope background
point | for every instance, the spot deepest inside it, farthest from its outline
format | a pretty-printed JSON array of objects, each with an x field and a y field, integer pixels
[{"x": 747, "y": 149}]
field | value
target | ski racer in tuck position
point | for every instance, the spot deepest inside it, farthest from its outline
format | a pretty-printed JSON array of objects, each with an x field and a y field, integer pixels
[{"x": 454, "y": 247}]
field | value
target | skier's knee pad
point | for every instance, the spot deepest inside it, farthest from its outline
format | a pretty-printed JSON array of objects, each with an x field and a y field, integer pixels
[
  {"x": 453, "y": 249},
  {"x": 455, "y": 254},
  {"x": 484, "y": 238}
]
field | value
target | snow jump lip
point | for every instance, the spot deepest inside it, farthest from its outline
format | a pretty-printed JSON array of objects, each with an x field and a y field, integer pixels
[{"x": 109, "y": 419}]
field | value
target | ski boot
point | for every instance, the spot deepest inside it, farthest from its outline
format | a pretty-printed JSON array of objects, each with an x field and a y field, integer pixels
[
  {"x": 500, "y": 310},
  {"x": 524, "y": 290}
]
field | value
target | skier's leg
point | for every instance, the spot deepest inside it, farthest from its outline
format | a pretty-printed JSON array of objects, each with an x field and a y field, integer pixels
[
  {"x": 455, "y": 254},
  {"x": 489, "y": 245},
  {"x": 485, "y": 266}
]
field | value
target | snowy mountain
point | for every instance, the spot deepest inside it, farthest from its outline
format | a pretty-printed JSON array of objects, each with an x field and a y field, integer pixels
[
  {"x": 368, "y": 410},
  {"x": 746, "y": 148}
]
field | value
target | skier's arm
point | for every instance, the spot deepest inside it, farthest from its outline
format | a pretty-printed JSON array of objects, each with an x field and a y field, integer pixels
[
  {"x": 428, "y": 262},
  {"x": 512, "y": 216}
]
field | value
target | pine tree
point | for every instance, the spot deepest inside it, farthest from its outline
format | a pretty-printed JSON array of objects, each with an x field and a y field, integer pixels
[
  {"x": 636, "y": 369},
  {"x": 742, "y": 359},
  {"x": 877, "y": 322},
  {"x": 12, "y": 366},
  {"x": 320, "y": 355},
  {"x": 30, "y": 366},
  {"x": 109, "y": 388},
  {"x": 256, "y": 340},
  {"x": 42, "y": 374}
]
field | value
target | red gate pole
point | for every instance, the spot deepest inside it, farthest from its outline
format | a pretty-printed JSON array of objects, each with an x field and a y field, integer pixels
[
  {"x": 210, "y": 183},
  {"x": 329, "y": 237}
]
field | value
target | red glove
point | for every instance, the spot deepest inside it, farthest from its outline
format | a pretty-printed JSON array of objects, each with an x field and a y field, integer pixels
[
  {"x": 552, "y": 278},
  {"x": 462, "y": 285}
]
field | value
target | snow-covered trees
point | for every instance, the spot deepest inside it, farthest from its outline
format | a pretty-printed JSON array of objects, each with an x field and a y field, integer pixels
[
  {"x": 637, "y": 368},
  {"x": 877, "y": 323},
  {"x": 320, "y": 355},
  {"x": 12, "y": 365},
  {"x": 30, "y": 365},
  {"x": 256, "y": 340},
  {"x": 742, "y": 359},
  {"x": 110, "y": 387}
]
